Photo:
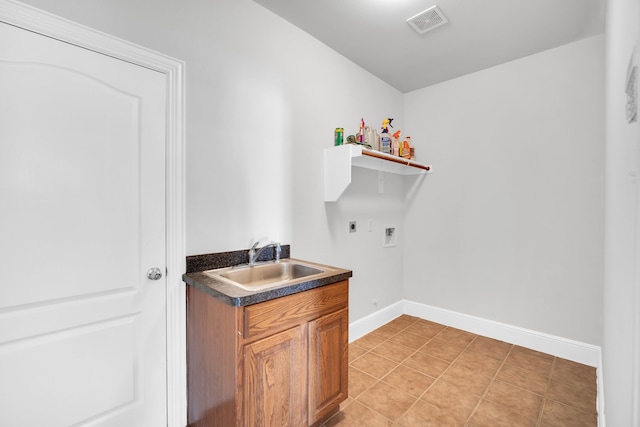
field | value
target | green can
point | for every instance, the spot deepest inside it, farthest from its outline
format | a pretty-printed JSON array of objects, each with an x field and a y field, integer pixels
[{"x": 339, "y": 136}]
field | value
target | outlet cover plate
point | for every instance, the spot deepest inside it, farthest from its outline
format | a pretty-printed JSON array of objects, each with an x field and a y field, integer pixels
[{"x": 390, "y": 236}]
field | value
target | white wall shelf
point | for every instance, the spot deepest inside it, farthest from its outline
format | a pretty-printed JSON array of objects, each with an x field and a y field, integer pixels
[{"x": 339, "y": 160}]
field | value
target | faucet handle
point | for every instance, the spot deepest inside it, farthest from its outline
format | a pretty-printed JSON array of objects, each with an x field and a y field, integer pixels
[
  {"x": 278, "y": 250},
  {"x": 252, "y": 253}
]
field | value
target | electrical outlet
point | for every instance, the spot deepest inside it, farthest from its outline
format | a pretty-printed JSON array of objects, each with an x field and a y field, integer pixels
[
  {"x": 352, "y": 226},
  {"x": 390, "y": 236}
]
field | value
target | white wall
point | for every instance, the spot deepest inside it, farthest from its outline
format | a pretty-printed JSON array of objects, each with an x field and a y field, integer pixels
[
  {"x": 620, "y": 353},
  {"x": 510, "y": 225},
  {"x": 263, "y": 99}
]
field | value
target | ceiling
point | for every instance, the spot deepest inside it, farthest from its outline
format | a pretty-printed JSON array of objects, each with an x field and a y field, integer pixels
[{"x": 480, "y": 34}]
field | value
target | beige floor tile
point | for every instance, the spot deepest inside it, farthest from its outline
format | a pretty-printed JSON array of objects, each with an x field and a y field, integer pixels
[
  {"x": 556, "y": 414},
  {"x": 355, "y": 351},
  {"x": 479, "y": 363},
  {"x": 515, "y": 399},
  {"x": 522, "y": 378},
  {"x": 458, "y": 334},
  {"x": 389, "y": 330},
  {"x": 424, "y": 328},
  {"x": 368, "y": 341},
  {"x": 442, "y": 350},
  {"x": 452, "y": 400},
  {"x": 402, "y": 322},
  {"x": 574, "y": 373},
  {"x": 393, "y": 351},
  {"x": 489, "y": 414},
  {"x": 466, "y": 379},
  {"x": 426, "y": 364},
  {"x": 490, "y": 347},
  {"x": 455, "y": 340},
  {"x": 409, "y": 340},
  {"x": 383, "y": 333},
  {"x": 387, "y": 400},
  {"x": 423, "y": 414},
  {"x": 374, "y": 365},
  {"x": 358, "y": 415},
  {"x": 359, "y": 382},
  {"x": 530, "y": 360},
  {"x": 581, "y": 398},
  {"x": 408, "y": 380}
]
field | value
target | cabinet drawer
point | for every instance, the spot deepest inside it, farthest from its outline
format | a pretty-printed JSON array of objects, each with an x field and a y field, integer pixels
[{"x": 279, "y": 314}]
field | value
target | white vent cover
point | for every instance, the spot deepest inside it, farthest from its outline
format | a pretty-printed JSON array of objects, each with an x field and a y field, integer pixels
[{"x": 427, "y": 20}]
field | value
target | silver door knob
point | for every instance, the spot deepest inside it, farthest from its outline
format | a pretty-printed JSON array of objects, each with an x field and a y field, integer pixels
[{"x": 154, "y": 273}]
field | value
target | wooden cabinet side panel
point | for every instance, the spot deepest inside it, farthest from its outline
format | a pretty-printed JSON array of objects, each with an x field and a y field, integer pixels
[
  {"x": 328, "y": 363},
  {"x": 275, "y": 380},
  {"x": 276, "y": 315},
  {"x": 212, "y": 360}
]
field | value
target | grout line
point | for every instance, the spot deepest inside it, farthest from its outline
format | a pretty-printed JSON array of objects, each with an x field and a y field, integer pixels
[
  {"x": 486, "y": 390},
  {"x": 546, "y": 391},
  {"x": 378, "y": 380},
  {"x": 443, "y": 372}
]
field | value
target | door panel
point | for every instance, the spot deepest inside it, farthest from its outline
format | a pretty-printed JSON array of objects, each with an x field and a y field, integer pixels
[
  {"x": 274, "y": 374},
  {"x": 328, "y": 363},
  {"x": 69, "y": 189},
  {"x": 82, "y": 218},
  {"x": 107, "y": 351}
]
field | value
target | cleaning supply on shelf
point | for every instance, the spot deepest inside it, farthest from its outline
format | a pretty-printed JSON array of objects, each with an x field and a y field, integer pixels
[
  {"x": 371, "y": 138},
  {"x": 360, "y": 136},
  {"x": 396, "y": 144},
  {"x": 385, "y": 142},
  {"x": 338, "y": 136},
  {"x": 406, "y": 148},
  {"x": 385, "y": 136}
]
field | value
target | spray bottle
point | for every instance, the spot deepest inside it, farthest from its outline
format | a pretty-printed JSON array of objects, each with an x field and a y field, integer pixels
[
  {"x": 385, "y": 136},
  {"x": 397, "y": 146}
]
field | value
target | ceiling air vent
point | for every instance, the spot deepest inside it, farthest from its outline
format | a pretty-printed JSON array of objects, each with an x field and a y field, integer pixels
[{"x": 427, "y": 20}]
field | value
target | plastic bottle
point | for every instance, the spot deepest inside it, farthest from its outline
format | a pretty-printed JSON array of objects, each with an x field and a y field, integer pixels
[
  {"x": 395, "y": 148},
  {"x": 385, "y": 142},
  {"x": 406, "y": 148},
  {"x": 385, "y": 137},
  {"x": 370, "y": 137}
]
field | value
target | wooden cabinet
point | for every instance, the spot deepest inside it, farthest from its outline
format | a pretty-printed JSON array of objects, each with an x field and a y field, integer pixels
[
  {"x": 328, "y": 363},
  {"x": 282, "y": 362}
]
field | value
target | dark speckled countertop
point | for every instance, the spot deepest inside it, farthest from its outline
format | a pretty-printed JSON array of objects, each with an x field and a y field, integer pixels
[{"x": 197, "y": 277}]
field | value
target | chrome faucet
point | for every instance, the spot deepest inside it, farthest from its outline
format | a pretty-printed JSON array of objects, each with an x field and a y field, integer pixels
[{"x": 255, "y": 253}]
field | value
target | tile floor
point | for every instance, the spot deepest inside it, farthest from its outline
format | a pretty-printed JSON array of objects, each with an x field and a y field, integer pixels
[{"x": 412, "y": 372}]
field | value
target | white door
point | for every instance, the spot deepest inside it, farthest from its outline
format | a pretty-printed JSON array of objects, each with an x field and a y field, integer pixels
[{"x": 82, "y": 219}]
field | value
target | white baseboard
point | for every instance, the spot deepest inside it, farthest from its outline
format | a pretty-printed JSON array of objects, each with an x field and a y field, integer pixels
[
  {"x": 580, "y": 352},
  {"x": 363, "y": 326},
  {"x": 576, "y": 351}
]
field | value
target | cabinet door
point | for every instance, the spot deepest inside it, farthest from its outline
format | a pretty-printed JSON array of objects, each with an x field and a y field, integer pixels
[
  {"x": 275, "y": 374},
  {"x": 328, "y": 363}
]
